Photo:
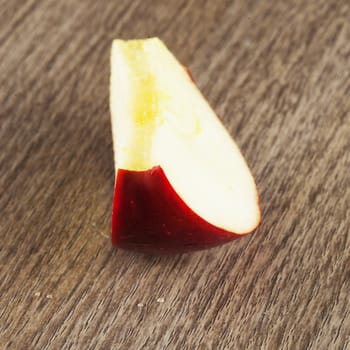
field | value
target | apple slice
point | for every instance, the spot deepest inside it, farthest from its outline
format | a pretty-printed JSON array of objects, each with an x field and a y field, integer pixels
[{"x": 181, "y": 181}]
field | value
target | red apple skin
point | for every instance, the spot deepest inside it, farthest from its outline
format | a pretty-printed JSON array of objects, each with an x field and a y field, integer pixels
[
  {"x": 189, "y": 73},
  {"x": 149, "y": 216}
]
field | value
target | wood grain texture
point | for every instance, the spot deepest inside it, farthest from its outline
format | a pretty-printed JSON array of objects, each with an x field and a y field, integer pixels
[{"x": 279, "y": 75}]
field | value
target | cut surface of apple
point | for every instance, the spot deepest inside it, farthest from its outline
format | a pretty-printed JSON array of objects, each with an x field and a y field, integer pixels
[{"x": 181, "y": 181}]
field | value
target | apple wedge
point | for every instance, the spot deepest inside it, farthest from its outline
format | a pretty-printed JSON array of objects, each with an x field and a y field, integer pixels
[{"x": 181, "y": 182}]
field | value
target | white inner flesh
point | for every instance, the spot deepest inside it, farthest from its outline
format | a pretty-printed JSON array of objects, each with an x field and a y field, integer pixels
[{"x": 159, "y": 117}]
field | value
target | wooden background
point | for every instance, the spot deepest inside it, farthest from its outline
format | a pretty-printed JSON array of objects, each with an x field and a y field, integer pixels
[{"x": 278, "y": 72}]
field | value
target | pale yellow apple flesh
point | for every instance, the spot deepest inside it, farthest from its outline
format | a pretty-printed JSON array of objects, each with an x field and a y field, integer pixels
[{"x": 160, "y": 118}]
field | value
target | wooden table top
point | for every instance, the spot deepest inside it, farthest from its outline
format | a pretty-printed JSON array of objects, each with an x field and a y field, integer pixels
[{"x": 279, "y": 75}]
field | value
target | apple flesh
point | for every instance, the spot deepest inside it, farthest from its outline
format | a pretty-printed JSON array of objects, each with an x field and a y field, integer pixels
[{"x": 181, "y": 181}]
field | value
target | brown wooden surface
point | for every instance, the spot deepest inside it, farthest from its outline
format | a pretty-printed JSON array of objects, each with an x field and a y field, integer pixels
[{"x": 278, "y": 72}]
